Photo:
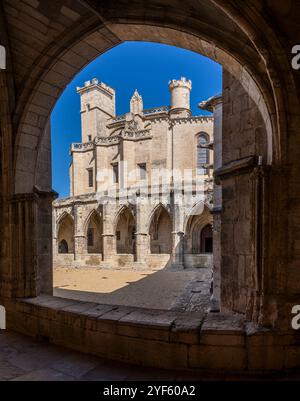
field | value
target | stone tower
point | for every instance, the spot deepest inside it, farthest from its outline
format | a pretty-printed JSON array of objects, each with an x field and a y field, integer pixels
[
  {"x": 98, "y": 104},
  {"x": 136, "y": 103},
  {"x": 180, "y": 96}
]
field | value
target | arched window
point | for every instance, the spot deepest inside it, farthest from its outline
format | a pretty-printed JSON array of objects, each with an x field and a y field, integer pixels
[{"x": 202, "y": 153}]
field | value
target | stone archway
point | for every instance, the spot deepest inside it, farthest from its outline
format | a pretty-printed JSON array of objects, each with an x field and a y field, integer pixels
[
  {"x": 229, "y": 34},
  {"x": 94, "y": 231},
  {"x": 197, "y": 220},
  {"x": 65, "y": 234},
  {"x": 160, "y": 231},
  {"x": 125, "y": 232}
]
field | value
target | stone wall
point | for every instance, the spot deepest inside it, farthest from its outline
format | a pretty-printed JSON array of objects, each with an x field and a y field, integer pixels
[{"x": 243, "y": 140}]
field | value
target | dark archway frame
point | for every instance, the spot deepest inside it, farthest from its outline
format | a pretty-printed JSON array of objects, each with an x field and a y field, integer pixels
[{"x": 259, "y": 65}]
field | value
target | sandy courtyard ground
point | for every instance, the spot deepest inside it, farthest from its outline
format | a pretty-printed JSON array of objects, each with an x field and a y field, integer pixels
[{"x": 162, "y": 289}]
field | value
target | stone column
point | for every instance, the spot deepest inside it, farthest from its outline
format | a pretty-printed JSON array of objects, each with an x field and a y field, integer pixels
[
  {"x": 108, "y": 237},
  {"x": 79, "y": 246},
  {"x": 30, "y": 247},
  {"x": 176, "y": 200},
  {"x": 142, "y": 248},
  {"x": 141, "y": 235},
  {"x": 178, "y": 249},
  {"x": 109, "y": 248},
  {"x": 79, "y": 236},
  {"x": 23, "y": 245},
  {"x": 215, "y": 105}
]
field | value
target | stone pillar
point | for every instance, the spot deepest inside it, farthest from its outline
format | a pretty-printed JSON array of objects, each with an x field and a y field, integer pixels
[
  {"x": 215, "y": 105},
  {"x": 142, "y": 247},
  {"x": 44, "y": 240},
  {"x": 30, "y": 247},
  {"x": 177, "y": 249},
  {"x": 79, "y": 246},
  {"x": 23, "y": 245},
  {"x": 176, "y": 201},
  {"x": 79, "y": 236},
  {"x": 141, "y": 236},
  {"x": 109, "y": 247}
]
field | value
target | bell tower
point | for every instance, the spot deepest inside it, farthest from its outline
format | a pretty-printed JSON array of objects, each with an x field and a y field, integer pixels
[{"x": 98, "y": 105}]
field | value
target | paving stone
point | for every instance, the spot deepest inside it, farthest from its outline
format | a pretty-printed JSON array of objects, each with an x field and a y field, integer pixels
[
  {"x": 9, "y": 371},
  {"x": 75, "y": 365},
  {"x": 44, "y": 375}
]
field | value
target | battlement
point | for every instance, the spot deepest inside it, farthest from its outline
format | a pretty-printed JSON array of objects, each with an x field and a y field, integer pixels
[
  {"x": 97, "y": 106},
  {"x": 182, "y": 83},
  {"x": 180, "y": 95},
  {"x": 95, "y": 84}
]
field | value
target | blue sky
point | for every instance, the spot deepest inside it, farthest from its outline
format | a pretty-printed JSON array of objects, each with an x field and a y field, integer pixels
[{"x": 144, "y": 66}]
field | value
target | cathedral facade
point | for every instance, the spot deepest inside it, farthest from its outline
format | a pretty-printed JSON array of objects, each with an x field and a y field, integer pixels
[{"x": 139, "y": 197}]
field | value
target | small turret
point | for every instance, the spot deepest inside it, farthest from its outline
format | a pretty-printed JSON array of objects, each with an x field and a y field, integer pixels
[
  {"x": 136, "y": 103},
  {"x": 180, "y": 95}
]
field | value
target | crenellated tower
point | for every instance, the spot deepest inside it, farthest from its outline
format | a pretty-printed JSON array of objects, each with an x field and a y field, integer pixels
[
  {"x": 98, "y": 105},
  {"x": 180, "y": 96}
]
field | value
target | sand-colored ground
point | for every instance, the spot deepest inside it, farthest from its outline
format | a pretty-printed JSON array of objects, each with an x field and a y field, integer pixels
[{"x": 147, "y": 289}]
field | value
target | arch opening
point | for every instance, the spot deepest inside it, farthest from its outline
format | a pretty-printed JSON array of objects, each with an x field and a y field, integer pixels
[
  {"x": 94, "y": 231},
  {"x": 160, "y": 231},
  {"x": 238, "y": 70},
  {"x": 65, "y": 236},
  {"x": 125, "y": 232}
]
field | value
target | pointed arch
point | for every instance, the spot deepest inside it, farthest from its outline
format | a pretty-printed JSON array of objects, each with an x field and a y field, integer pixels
[
  {"x": 64, "y": 215},
  {"x": 121, "y": 210},
  {"x": 93, "y": 229},
  {"x": 198, "y": 219},
  {"x": 160, "y": 230},
  {"x": 65, "y": 233},
  {"x": 125, "y": 229},
  {"x": 198, "y": 209}
]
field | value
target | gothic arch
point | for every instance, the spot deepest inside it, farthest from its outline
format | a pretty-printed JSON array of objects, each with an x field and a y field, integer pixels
[
  {"x": 60, "y": 218},
  {"x": 125, "y": 229},
  {"x": 199, "y": 218},
  {"x": 93, "y": 229},
  {"x": 65, "y": 234},
  {"x": 121, "y": 210},
  {"x": 160, "y": 230}
]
